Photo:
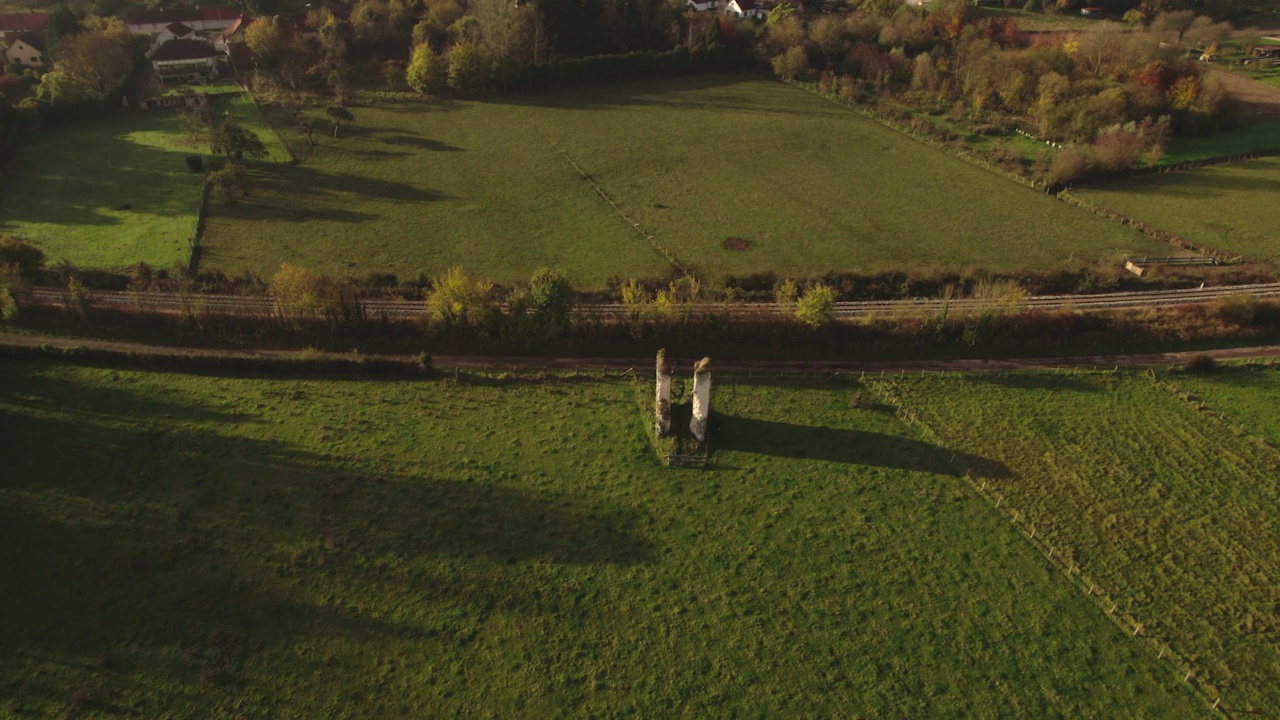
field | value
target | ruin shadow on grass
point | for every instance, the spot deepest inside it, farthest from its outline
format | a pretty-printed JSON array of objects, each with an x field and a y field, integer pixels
[{"x": 854, "y": 447}]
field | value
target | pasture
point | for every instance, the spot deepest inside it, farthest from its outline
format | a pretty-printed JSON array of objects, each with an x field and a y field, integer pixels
[
  {"x": 1166, "y": 510},
  {"x": 1231, "y": 207},
  {"x": 508, "y": 182},
  {"x": 205, "y": 546},
  {"x": 114, "y": 192}
]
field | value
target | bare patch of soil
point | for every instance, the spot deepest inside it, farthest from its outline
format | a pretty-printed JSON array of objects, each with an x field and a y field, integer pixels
[
  {"x": 736, "y": 244},
  {"x": 1259, "y": 102}
]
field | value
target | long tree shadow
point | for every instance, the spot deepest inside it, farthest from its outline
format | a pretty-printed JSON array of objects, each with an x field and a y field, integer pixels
[
  {"x": 145, "y": 532},
  {"x": 854, "y": 447}
]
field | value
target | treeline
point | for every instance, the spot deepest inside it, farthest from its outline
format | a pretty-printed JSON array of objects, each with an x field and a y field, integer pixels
[
  {"x": 95, "y": 61},
  {"x": 1112, "y": 99}
]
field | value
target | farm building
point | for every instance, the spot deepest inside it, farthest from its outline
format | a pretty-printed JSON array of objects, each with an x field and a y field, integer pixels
[
  {"x": 185, "y": 60},
  {"x": 26, "y": 49},
  {"x": 704, "y": 5}
]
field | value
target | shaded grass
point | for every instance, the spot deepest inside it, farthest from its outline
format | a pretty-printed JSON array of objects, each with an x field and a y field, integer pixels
[
  {"x": 1170, "y": 512},
  {"x": 1231, "y": 206},
  {"x": 506, "y": 183},
  {"x": 202, "y": 546},
  {"x": 67, "y": 188},
  {"x": 1237, "y": 141}
]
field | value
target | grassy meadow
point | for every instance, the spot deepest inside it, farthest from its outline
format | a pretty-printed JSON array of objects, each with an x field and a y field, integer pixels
[
  {"x": 1231, "y": 207},
  {"x": 206, "y": 546},
  {"x": 505, "y": 183},
  {"x": 1168, "y": 511},
  {"x": 115, "y": 192}
]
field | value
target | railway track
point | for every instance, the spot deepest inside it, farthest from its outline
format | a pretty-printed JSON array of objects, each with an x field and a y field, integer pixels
[{"x": 165, "y": 303}]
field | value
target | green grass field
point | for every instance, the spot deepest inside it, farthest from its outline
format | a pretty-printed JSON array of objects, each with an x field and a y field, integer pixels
[
  {"x": 1237, "y": 141},
  {"x": 1168, "y": 509},
  {"x": 1231, "y": 207},
  {"x": 506, "y": 183},
  {"x": 112, "y": 193},
  {"x": 205, "y": 546}
]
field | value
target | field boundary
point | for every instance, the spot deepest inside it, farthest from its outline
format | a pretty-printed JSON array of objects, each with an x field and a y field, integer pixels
[
  {"x": 1186, "y": 165},
  {"x": 293, "y": 157},
  {"x": 1151, "y": 231},
  {"x": 604, "y": 195}
]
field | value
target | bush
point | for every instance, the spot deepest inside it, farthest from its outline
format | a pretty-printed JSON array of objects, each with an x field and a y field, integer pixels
[
  {"x": 1031, "y": 6},
  {"x": 195, "y": 163},
  {"x": 1239, "y": 310},
  {"x": 817, "y": 306},
  {"x": 1201, "y": 364},
  {"x": 27, "y": 258},
  {"x": 551, "y": 299}
]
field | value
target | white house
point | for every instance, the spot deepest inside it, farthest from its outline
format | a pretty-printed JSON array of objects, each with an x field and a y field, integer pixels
[
  {"x": 747, "y": 9},
  {"x": 704, "y": 5},
  {"x": 27, "y": 49},
  {"x": 185, "y": 60}
]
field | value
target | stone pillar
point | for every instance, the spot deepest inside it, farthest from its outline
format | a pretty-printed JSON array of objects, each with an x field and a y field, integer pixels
[
  {"x": 701, "y": 399},
  {"x": 662, "y": 396}
]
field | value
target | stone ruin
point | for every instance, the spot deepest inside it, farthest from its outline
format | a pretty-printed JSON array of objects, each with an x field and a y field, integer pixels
[
  {"x": 662, "y": 399},
  {"x": 701, "y": 397}
]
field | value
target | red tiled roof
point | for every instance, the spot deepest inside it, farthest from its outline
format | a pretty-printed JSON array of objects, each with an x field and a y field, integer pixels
[
  {"x": 219, "y": 12},
  {"x": 23, "y": 22},
  {"x": 183, "y": 50},
  {"x": 183, "y": 15}
]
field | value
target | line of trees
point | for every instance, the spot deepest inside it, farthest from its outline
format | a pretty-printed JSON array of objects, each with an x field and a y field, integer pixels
[{"x": 1112, "y": 97}]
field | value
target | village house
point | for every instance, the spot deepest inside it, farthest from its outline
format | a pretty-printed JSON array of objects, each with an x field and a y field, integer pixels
[
  {"x": 27, "y": 50},
  {"x": 704, "y": 5}
]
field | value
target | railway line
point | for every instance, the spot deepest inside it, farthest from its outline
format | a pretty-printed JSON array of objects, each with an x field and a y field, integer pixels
[{"x": 169, "y": 303}]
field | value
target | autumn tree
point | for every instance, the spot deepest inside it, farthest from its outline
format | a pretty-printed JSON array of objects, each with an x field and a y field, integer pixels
[
  {"x": 267, "y": 42},
  {"x": 94, "y": 63},
  {"x": 428, "y": 73},
  {"x": 338, "y": 115},
  {"x": 469, "y": 66},
  {"x": 458, "y": 301},
  {"x": 228, "y": 183},
  {"x": 235, "y": 141}
]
